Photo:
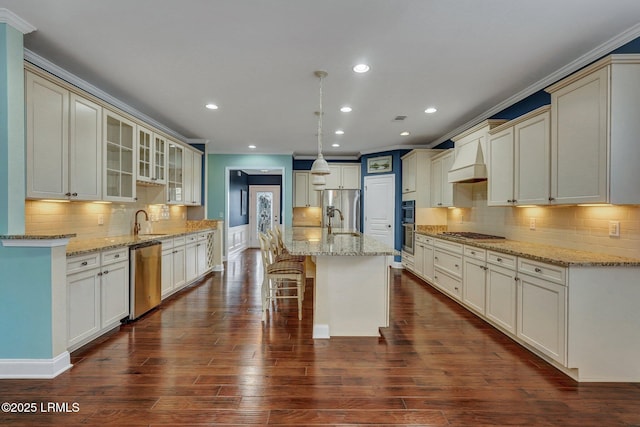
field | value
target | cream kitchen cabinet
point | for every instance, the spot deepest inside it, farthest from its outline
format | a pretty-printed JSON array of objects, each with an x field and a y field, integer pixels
[
  {"x": 594, "y": 131},
  {"x": 542, "y": 308},
  {"x": 192, "y": 177},
  {"x": 64, "y": 134},
  {"x": 447, "y": 261},
  {"x": 119, "y": 157},
  {"x": 519, "y": 161},
  {"x": 97, "y": 294},
  {"x": 152, "y": 157},
  {"x": 202, "y": 253},
  {"x": 444, "y": 193},
  {"x": 175, "y": 183},
  {"x": 474, "y": 273},
  {"x": 423, "y": 257},
  {"x": 343, "y": 177},
  {"x": 173, "y": 265},
  {"x": 304, "y": 195},
  {"x": 501, "y": 290},
  {"x": 191, "y": 257},
  {"x": 416, "y": 176}
]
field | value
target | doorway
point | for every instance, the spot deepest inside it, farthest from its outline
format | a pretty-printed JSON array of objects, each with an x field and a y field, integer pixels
[
  {"x": 264, "y": 211},
  {"x": 379, "y": 208}
]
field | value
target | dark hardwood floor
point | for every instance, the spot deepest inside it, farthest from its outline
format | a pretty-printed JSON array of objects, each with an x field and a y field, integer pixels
[{"x": 205, "y": 358}]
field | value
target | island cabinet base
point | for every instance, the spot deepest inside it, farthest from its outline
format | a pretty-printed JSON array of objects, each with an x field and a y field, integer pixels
[{"x": 351, "y": 295}]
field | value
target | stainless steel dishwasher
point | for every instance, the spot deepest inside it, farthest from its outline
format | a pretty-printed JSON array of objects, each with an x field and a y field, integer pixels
[{"x": 146, "y": 277}]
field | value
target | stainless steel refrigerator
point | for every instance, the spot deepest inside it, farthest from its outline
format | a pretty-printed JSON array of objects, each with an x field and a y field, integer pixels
[{"x": 347, "y": 202}]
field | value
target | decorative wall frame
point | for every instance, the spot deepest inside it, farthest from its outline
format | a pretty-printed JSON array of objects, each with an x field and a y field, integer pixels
[{"x": 380, "y": 164}]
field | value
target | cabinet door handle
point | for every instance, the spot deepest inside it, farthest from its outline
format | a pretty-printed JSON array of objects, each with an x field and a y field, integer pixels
[
  {"x": 473, "y": 252},
  {"x": 537, "y": 270},
  {"x": 456, "y": 288},
  {"x": 116, "y": 256},
  {"x": 551, "y": 199},
  {"x": 457, "y": 266},
  {"x": 499, "y": 259},
  {"x": 67, "y": 194},
  {"x": 99, "y": 274},
  {"x": 74, "y": 194},
  {"x": 514, "y": 201},
  {"x": 435, "y": 257},
  {"x": 105, "y": 272}
]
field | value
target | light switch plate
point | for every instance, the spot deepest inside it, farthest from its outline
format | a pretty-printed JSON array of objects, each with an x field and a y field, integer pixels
[{"x": 614, "y": 228}]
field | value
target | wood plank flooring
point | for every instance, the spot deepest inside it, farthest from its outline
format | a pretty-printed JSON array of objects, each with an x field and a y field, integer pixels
[{"x": 205, "y": 358}]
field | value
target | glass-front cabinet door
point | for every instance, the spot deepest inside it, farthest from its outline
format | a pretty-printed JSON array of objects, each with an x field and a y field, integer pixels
[
  {"x": 120, "y": 158},
  {"x": 175, "y": 180},
  {"x": 159, "y": 160},
  {"x": 145, "y": 142}
]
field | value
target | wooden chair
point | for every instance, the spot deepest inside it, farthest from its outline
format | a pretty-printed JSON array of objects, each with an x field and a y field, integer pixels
[
  {"x": 281, "y": 280},
  {"x": 278, "y": 248}
]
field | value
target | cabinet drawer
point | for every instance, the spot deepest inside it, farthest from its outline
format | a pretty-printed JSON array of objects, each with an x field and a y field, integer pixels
[
  {"x": 167, "y": 244},
  {"x": 83, "y": 262},
  {"x": 475, "y": 253},
  {"x": 448, "y": 283},
  {"x": 179, "y": 241},
  {"x": 115, "y": 255},
  {"x": 424, "y": 239},
  {"x": 501, "y": 259},
  {"x": 549, "y": 272},
  {"x": 447, "y": 261},
  {"x": 203, "y": 236},
  {"x": 450, "y": 246},
  {"x": 190, "y": 238}
]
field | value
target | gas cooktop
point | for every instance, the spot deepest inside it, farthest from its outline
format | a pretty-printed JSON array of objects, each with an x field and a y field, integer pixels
[{"x": 468, "y": 235}]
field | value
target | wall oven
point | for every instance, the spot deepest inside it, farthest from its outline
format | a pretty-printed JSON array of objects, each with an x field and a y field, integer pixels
[
  {"x": 408, "y": 231},
  {"x": 408, "y": 225}
]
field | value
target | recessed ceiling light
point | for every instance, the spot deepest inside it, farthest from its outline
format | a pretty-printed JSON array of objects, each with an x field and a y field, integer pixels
[
  {"x": 361, "y": 68},
  {"x": 339, "y": 132},
  {"x": 405, "y": 133},
  {"x": 211, "y": 106},
  {"x": 252, "y": 146},
  {"x": 430, "y": 110},
  {"x": 335, "y": 145},
  {"x": 346, "y": 109}
]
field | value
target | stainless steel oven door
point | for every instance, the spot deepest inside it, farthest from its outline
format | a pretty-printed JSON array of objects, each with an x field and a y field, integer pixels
[{"x": 408, "y": 231}]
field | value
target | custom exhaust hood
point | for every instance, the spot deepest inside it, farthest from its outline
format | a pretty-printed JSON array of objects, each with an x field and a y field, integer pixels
[{"x": 468, "y": 165}]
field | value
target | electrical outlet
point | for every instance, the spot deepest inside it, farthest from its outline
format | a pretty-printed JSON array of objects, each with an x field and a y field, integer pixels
[
  {"x": 100, "y": 219},
  {"x": 614, "y": 228},
  {"x": 532, "y": 223}
]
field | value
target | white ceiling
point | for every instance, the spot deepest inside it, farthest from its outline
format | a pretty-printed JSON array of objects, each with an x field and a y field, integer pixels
[{"x": 256, "y": 58}]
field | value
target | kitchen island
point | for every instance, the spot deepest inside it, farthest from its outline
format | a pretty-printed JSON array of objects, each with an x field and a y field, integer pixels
[{"x": 351, "y": 291}]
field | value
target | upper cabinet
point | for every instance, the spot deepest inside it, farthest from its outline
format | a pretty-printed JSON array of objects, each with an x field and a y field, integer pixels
[
  {"x": 444, "y": 193},
  {"x": 152, "y": 157},
  {"x": 416, "y": 177},
  {"x": 518, "y": 161},
  {"x": 594, "y": 133},
  {"x": 192, "y": 176},
  {"x": 343, "y": 176},
  {"x": 64, "y": 133},
  {"x": 175, "y": 177},
  {"x": 119, "y": 158},
  {"x": 304, "y": 195}
]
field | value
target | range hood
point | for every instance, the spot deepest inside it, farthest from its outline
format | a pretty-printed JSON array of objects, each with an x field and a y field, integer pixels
[{"x": 468, "y": 165}]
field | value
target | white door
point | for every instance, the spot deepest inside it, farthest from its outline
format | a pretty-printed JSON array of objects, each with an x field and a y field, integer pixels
[
  {"x": 264, "y": 210},
  {"x": 379, "y": 208}
]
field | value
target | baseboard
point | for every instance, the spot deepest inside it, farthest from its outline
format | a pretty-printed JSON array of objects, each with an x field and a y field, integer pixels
[
  {"x": 218, "y": 267},
  {"x": 320, "y": 332},
  {"x": 35, "y": 368},
  {"x": 397, "y": 265}
]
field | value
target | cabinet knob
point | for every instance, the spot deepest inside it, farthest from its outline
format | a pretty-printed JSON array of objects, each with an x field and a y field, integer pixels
[
  {"x": 538, "y": 270},
  {"x": 551, "y": 199},
  {"x": 84, "y": 263},
  {"x": 439, "y": 204},
  {"x": 457, "y": 266},
  {"x": 455, "y": 288},
  {"x": 67, "y": 194},
  {"x": 473, "y": 252},
  {"x": 106, "y": 272},
  {"x": 514, "y": 201},
  {"x": 116, "y": 256},
  {"x": 499, "y": 259},
  {"x": 99, "y": 274},
  {"x": 74, "y": 194},
  {"x": 435, "y": 257},
  {"x": 509, "y": 200}
]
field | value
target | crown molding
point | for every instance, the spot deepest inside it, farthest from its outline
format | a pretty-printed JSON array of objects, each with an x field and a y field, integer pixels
[
  {"x": 578, "y": 63},
  {"x": 65, "y": 75},
  {"x": 10, "y": 18}
]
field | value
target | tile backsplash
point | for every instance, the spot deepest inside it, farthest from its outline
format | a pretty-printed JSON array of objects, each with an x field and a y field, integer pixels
[
  {"x": 83, "y": 218},
  {"x": 574, "y": 227}
]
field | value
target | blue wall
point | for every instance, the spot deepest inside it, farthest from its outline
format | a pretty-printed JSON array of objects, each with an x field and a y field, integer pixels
[{"x": 25, "y": 303}]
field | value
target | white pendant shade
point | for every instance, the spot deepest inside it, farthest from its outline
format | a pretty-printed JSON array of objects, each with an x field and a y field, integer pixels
[
  {"x": 320, "y": 166},
  {"x": 319, "y": 182}
]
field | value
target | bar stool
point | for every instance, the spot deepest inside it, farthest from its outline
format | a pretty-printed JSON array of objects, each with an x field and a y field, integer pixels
[{"x": 281, "y": 280}]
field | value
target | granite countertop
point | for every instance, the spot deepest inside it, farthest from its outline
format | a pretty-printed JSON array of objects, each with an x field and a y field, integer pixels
[
  {"x": 316, "y": 241},
  {"x": 545, "y": 253},
  {"x": 83, "y": 246},
  {"x": 36, "y": 236}
]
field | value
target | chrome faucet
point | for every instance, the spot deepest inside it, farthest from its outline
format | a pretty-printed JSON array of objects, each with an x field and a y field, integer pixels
[
  {"x": 136, "y": 225},
  {"x": 331, "y": 211}
]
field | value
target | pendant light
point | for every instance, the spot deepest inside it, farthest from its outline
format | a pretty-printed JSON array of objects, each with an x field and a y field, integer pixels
[{"x": 320, "y": 166}]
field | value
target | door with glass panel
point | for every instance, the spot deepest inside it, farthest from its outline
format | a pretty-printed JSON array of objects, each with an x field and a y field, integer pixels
[{"x": 264, "y": 210}]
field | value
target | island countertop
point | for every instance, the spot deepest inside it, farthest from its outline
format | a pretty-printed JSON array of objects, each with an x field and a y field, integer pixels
[{"x": 341, "y": 242}]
